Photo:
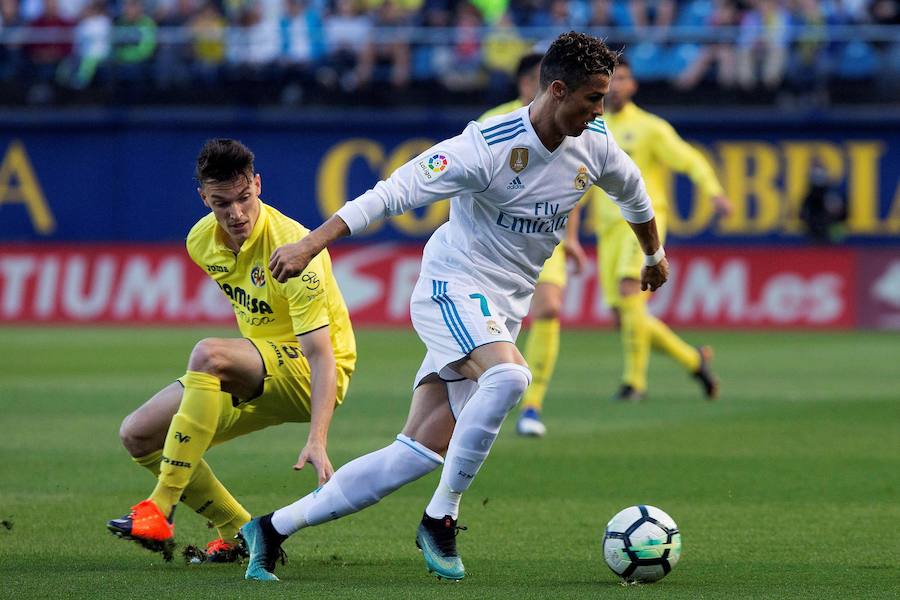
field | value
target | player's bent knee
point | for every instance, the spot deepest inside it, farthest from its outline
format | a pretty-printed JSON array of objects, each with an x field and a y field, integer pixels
[
  {"x": 510, "y": 381},
  {"x": 134, "y": 440},
  {"x": 208, "y": 356}
]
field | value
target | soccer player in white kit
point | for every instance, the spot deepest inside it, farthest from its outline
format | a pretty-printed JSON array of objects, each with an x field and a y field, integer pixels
[{"x": 512, "y": 181}]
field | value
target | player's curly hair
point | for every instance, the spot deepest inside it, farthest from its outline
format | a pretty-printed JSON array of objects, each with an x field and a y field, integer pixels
[
  {"x": 222, "y": 159},
  {"x": 573, "y": 57}
]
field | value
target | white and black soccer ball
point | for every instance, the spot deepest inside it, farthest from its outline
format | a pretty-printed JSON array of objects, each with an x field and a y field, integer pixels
[{"x": 641, "y": 544}]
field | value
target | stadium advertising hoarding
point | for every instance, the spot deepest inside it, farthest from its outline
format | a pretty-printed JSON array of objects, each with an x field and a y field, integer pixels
[
  {"x": 709, "y": 287},
  {"x": 129, "y": 179},
  {"x": 878, "y": 278}
]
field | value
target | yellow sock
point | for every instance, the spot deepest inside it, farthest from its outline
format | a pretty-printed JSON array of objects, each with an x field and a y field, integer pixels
[
  {"x": 663, "y": 338},
  {"x": 541, "y": 351},
  {"x": 206, "y": 496},
  {"x": 209, "y": 499},
  {"x": 150, "y": 461},
  {"x": 635, "y": 340},
  {"x": 189, "y": 435}
]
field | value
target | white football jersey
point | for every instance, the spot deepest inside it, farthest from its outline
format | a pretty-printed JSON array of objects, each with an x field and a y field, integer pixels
[{"x": 510, "y": 200}]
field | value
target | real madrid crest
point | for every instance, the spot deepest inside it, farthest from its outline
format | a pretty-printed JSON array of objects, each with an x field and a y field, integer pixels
[
  {"x": 493, "y": 328},
  {"x": 518, "y": 159},
  {"x": 581, "y": 180}
]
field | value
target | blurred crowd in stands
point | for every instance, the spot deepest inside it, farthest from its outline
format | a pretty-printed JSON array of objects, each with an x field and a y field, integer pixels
[{"x": 436, "y": 51}]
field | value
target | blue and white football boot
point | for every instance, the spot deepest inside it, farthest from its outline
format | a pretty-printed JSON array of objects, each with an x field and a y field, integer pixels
[
  {"x": 436, "y": 538},
  {"x": 263, "y": 544}
]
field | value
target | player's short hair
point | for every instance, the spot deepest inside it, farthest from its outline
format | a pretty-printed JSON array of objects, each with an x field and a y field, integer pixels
[
  {"x": 527, "y": 63},
  {"x": 574, "y": 57},
  {"x": 222, "y": 159}
]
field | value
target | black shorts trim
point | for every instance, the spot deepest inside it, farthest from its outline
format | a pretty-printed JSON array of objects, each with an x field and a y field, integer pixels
[{"x": 313, "y": 329}]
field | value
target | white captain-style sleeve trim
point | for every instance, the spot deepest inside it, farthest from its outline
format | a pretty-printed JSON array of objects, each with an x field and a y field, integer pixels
[
  {"x": 356, "y": 216},
  {"x": 447, "y": 169}
]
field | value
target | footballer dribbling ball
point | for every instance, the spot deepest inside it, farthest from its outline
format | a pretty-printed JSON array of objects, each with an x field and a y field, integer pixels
[{"x": 641, "y": 544}]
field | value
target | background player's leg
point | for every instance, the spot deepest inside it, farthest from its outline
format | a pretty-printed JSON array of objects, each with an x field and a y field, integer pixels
[
  {"x": 635, "y": 335},
  {"x": 541, "y": 352},
  {"x": 620, "y": 267},
  {"x": 366, "y": 480},
  {"x": 695, "y": 360},
  {"x": 666, "y": 340}
]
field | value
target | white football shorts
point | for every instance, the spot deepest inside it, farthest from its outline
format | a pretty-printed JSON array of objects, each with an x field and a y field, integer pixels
[{"x": 452, "y": 317}]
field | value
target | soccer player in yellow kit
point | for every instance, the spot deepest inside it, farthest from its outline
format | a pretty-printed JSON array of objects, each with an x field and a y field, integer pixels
[
  {"x": 654, "y": 146},
  {"x": 527, "y": 82},
  {"x": 542, "y": 346},
  {"x": 293, "y": 363}
]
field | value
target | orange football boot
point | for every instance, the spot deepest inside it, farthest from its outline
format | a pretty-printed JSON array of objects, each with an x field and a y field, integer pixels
[
  {"x": 147, "y": 526},
  {"x": 225, "y": 552}
]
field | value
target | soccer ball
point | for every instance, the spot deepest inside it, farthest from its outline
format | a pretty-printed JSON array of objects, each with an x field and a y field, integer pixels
[{"x": 641, "y": 544}]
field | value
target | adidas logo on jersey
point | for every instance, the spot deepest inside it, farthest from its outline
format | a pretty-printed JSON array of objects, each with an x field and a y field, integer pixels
[{"x": 515, "y": 184}]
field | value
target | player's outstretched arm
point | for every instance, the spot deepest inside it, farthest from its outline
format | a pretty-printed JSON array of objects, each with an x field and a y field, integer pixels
[
  {"x": 319, "y": 353},
  {"x": 671, "y": 149},
  {"x": 655, "y": 271},
  {"x": 289, "y": 260},
  {"x": 445, "y": 170}
]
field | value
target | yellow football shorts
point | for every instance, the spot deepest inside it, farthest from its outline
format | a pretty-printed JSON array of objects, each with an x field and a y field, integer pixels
[
  {"x": 621, "y": 256},
  {"x": 285, "y": 397},
  {"x": 554, "y": 269}
]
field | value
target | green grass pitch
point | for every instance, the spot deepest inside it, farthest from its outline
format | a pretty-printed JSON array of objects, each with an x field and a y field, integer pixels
[{"x": 788, "y": 487}]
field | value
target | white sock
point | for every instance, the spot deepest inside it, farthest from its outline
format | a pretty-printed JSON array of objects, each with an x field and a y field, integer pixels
[
  {"x": 499, "y": 389},
  {"x": 358, "y": 484}
]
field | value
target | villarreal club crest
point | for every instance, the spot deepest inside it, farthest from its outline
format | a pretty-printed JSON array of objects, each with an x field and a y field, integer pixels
[{"x": 258, "y": 276}]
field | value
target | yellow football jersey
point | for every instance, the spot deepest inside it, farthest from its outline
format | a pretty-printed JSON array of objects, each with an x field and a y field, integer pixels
[
  {"x": 654, "y": 146},
  {"x": 502, "y": 109},
  {"x": 265, "y": 308}
]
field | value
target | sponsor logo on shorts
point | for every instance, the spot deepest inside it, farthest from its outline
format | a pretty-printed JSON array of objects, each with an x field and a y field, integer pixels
[
  {"x": 277, "y": 353},
  {"x": 182, "y": 439}
]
